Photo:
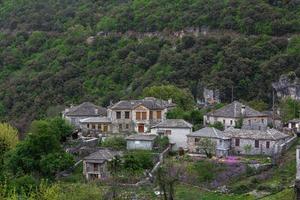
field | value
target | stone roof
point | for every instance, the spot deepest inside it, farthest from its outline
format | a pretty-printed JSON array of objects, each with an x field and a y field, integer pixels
[
  {"x": 102, "y": 156},
  {"x": 269, "y": 134},
  {"x": 149, "y": 102},
  {"x": 234, "y": 110},
  {"x": 208, "y": 132},
  {"x": 173, "y": 123},
  {"x": 86, "y": 109},
  {"x": 294, "y": 121},
  {"x": 96, "y": 120},
  {"x": 142, "y": 137}
]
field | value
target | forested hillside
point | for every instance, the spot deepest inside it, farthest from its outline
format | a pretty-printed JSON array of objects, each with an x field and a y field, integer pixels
[{"x": 49, "y": 59}]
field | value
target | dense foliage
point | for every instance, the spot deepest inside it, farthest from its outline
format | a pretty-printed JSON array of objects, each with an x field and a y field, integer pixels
[
  {"x": 40, "y": 153},
  {"x": 49, "y": 59}
]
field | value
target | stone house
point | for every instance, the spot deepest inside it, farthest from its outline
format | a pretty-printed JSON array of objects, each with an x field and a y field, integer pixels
[
  {"x": 231, "y": 114},
  {"x": 99, "y": 125},
  {"x": 85, "y": 110},
  {"x": 176, "y": 130},
  {"x": 138, "y": 115},
  {"x": 222, "y": 143},
  {"x": 95, "y": 166},
  {"x": 255, "y": 142},
  {"x": 140, "y": 141},
  {"x": 294, "y": 125}
]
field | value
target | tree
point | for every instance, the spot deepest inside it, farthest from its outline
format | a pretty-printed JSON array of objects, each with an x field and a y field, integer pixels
[
  {"x": 289, "y": 109},
  {"x": 166, "y": 177},
  {"x": 8, "y": 140},
  {"x": 41, "y": 146},
  {"x": 53, "y": 163},
  {"x": 258, "y": 105},
  {"x": 117, "y": 143},
  {"x": 138, "y": 160},
  {"x": 247, "y": 148},
  {"x": 217, "y": 125},
  {"x": 181, "y": 97},
  {"x": 207, "y": 146}
]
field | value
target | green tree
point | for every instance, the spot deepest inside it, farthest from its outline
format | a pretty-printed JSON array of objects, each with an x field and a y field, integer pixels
[
  {"x": 181, "y": 97},
  {"x": 53, "y": 163},
  {"x": 8, "y": 140},
  {"x": 289, "y": 109},
  {"x": 208, "y": 146},
  {"x": 217, "y": 125}
]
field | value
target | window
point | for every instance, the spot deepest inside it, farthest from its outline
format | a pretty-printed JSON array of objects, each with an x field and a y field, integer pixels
[
  {"x": 220, "y": 142},
  {"x": 151, "y": 115},
  {"x": 197, "y": 140},
  {"x": 127, "y": 115},
  {"x": 237, "y": 142},
  {"x": 230, "y": 122},
  {"x": 105, "y": 128},
  {"x": 158, "y": 114},
  {"x": 95, "y": 167},
  {"x": 262, "y": 121},
  {"x": 267, "y": 144},
  {"x": 120, "y": 126},
  {"x": 168, "y": 132},
  {"x": 249, "y": 122},
  {"x": 256, "y": 144},
  {"x": 118, "y": 115},
  {"x": 127, "y": 126},
  {"x": 223, "y": 121},
  {"x": 93, "y": 126},
  {"x": 88, "y": 125},
  {"x": 138, "y": 116},
  {"x": 144, "y": 115}
]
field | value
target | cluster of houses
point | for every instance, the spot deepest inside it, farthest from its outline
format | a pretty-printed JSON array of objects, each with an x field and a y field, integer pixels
[{"x": 245, "y": 131}]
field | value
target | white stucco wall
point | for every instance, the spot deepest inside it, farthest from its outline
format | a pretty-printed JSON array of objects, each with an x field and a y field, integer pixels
[
  {"x": 143, "y": 145},
  {"x": 231, "y": 122},
  {"x": 177, "y": 137}
]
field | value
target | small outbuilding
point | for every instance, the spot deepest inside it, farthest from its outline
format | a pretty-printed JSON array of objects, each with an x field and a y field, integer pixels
[
  {"x": 176, "y": 130},
  {"x": 95, "y": 166},
  {"x": 140, "y": 141}
]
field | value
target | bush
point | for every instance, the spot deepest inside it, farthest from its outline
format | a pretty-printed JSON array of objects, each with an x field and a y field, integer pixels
[
  {"x": 138, "y": 160},
  {"x": 205, "y": 170},
  {"x": 117, "y": 143},
  {"x": 161, "y": 142}
]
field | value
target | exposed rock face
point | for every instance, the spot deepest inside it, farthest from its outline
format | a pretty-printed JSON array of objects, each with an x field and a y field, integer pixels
[{"x": 288, "y": 86}]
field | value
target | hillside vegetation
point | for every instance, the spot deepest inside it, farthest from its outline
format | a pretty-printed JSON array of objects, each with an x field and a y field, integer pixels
[{"x": 46, "y": 61}]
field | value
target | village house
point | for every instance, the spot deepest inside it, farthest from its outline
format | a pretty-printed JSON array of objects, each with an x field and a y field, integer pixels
[
  {"x": 85, "y": 110},
  {"x": 274, "y": 120},
  {"x": 231, "y": 114},
  {"x": 100, "y": 125},
  {"x": 138, "y": 115},
  {"x": 176, "y": 130},
  {"x": 140, "y": 141},
  {"x": 255, "y": 142},
  {"x": 222, "y": 143},
  {"x": 294, "y": 125},
  {"x": 239, "y": 141},
  {"x": 95, "y": 166}
]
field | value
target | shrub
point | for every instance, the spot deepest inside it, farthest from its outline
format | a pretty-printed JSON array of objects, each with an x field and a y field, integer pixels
[
  {"x": 117, "y": 143},
  {"x": 205, "y": 170},
  {"x": 138, "y": 160},
  {"x": 161, "y": 142}
]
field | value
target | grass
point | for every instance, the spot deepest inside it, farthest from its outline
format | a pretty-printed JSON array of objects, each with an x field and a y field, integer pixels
[{"x": 184, "y": 192}]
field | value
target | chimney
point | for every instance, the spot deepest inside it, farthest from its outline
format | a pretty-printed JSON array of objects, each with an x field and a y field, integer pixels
[
  {"x": 243, "y": 110},
  {"x": 96, "y": 111}
]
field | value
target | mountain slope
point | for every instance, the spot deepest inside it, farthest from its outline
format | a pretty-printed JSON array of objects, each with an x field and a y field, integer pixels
[{"x": 48, "y": 57}]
